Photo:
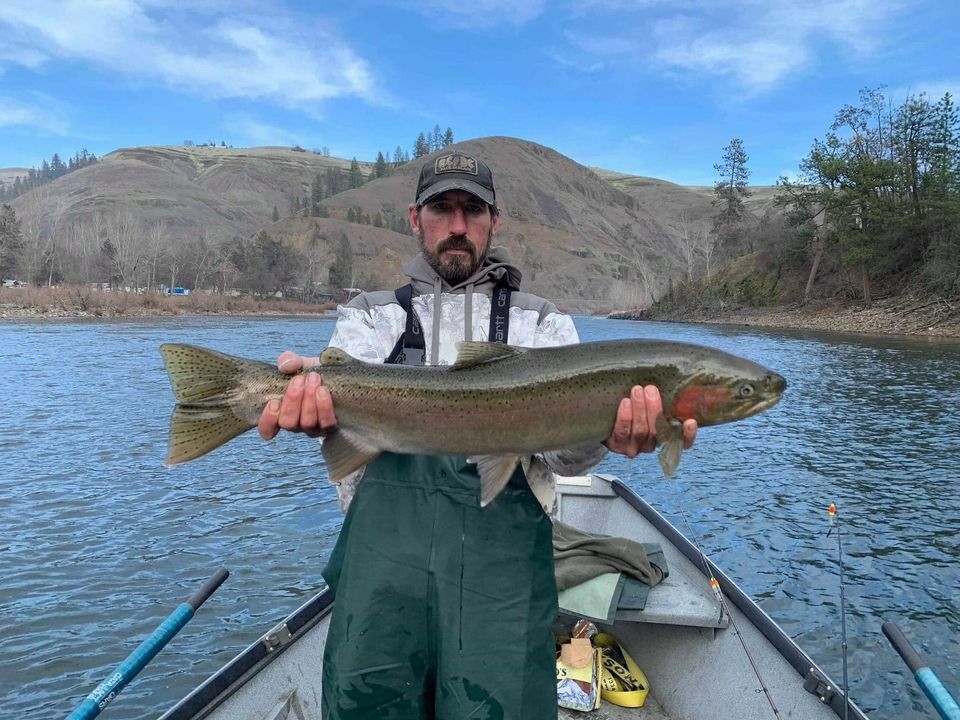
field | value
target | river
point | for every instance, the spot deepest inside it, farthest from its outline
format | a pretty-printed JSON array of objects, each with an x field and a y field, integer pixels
[{"x": 99, "y": 542}]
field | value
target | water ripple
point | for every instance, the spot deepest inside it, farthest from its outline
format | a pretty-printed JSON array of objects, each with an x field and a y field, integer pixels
[{"x": 99, "y": 542}]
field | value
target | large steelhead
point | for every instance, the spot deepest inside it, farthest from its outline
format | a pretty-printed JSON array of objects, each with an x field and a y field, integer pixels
[{"x": 496, "y": 404}]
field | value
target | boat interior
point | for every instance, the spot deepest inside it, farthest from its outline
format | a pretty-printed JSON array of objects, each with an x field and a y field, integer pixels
[{"x": 686, "y": 640}]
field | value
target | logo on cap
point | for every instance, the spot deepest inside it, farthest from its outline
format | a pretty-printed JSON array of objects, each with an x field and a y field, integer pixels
[{"x": 456, "y": 163}]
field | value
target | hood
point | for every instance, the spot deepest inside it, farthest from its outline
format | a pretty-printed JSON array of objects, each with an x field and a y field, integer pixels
[{"x": 496, "y": 266}]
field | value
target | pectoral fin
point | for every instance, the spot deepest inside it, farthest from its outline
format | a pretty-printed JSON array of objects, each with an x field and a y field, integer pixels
[
  {"x": 670, "y": 440},
  {"x": 344, "y": 452},
  {"x": 495, "y": 472}
]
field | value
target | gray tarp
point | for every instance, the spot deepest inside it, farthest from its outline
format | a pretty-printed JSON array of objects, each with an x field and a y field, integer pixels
[{"x": 579, "y": 556}]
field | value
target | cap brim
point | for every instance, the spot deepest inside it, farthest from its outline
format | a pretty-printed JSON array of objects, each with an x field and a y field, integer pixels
[{"x": 457, "y": 184}]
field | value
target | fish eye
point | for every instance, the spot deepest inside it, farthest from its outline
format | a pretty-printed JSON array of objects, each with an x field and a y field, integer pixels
[{"x": 746, "y": 390}]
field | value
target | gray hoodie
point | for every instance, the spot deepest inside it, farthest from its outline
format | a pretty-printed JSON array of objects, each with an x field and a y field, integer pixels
[{"x": 369, "y": 326}]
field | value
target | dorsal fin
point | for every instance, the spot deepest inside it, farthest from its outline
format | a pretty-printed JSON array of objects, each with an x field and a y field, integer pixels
[
  {"x": 471, "y": 354},
  {"x": 335, "y": 356}
]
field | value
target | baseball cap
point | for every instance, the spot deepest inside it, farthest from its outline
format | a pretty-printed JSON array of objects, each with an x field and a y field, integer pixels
[{"x": 456, "y": 171}]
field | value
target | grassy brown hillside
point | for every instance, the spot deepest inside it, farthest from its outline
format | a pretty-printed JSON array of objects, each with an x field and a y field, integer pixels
[
  {"x": 216, "y": 191},
  {"x": 8, "y": 175},
  {"x": 575, "y": 235},
  {"x": 671, "y": 203},
  {"x": 378, "y": 253}
]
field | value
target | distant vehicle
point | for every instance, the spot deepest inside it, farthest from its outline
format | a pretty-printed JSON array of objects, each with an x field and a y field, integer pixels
[
  {"x": 12, "y": 284},
  {"x": 176, "y": 291}
]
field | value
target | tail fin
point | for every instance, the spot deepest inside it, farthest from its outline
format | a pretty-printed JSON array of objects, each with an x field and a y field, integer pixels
[
  {"x": 202, "y": 380},
  {"x": 199, "y": 374},
  {"x": 195, "y": 431}
]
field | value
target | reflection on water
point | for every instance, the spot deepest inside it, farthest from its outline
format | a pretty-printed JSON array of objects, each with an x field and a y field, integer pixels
[{"x": 98, "y": 542}]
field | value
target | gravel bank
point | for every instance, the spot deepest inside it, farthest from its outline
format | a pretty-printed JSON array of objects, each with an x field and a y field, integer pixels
[{"x": 905, "y": 315}]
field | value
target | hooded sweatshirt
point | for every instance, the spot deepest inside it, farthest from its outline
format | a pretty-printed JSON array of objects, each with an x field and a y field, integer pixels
[{"x": 369, "y": 325}]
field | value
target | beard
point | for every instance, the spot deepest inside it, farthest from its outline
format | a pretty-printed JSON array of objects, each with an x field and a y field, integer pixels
[{"x": 455, "y": 268}]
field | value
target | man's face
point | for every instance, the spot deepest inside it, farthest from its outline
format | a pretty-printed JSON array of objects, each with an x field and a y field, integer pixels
[{"x": 455, "y": 229}]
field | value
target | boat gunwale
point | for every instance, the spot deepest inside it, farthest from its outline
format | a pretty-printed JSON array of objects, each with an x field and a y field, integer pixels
[
  {"x": 217, "y": 688},
  {"x": 784, "y": 644}
]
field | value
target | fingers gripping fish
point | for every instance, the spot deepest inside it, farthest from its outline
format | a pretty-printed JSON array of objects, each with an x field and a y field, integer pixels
[{"x": 496, "y": 404}]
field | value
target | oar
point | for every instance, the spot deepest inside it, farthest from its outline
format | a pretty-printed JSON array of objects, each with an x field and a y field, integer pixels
[
  {"x": 941, "y": 698},
  {"x": 106, "y": 691}
]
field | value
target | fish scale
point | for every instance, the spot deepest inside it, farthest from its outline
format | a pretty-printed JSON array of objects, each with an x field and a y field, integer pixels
[{"x": 496, "y": 404}]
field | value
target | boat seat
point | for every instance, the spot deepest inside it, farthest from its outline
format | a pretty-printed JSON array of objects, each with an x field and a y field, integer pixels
[{"x": 589, "y": 503}]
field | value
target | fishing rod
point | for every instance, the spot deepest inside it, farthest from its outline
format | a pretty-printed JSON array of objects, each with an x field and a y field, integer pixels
[
  {"x": 835, "y": 523},
  {"x": 715, "y": 586},
  {"x": 928, "y": 681},
  {"x": 107, "y": 690}
]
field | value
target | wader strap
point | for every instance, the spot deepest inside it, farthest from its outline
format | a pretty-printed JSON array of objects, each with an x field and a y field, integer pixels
[
  {"x": 500, "y": 313},
  {"x": 410, "y": 348}
]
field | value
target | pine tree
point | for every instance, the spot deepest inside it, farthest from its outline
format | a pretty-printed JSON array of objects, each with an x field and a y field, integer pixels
[
  {"x": 380, "y": 168},
  {"x": 448, "y": 137},
  {"x": 731, "y": 189},
  {"x": 57, "y": 168},
  {"x": 421, "y": 147},
  {"x": 398, "y": 156},
  {"x": 356, "y": 176}
]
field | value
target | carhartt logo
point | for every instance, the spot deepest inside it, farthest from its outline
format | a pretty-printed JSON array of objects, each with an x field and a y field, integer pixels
[{"x": 456, "y": 163}]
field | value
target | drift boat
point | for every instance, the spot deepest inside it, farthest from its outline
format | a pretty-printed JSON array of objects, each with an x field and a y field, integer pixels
[{"x": 685, "y": 641}]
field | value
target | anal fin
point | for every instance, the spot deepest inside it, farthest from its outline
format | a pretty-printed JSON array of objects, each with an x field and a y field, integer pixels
[
  {"x": 344, "y": 452},
  {"x": 495, "y": 472}
]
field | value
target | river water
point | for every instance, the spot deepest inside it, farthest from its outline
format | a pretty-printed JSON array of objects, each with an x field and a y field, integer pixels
[{"x": 99, "y": 542}]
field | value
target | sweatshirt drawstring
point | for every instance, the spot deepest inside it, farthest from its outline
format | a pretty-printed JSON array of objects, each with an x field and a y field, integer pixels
[
  {"x": 435, "y": 341},
  {"x": 468, "y": 314}
]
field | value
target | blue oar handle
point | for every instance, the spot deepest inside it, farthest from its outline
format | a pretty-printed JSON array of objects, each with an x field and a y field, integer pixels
[
  {"x": 106, "y": 691},
  {"x": 928, "y": 681}
]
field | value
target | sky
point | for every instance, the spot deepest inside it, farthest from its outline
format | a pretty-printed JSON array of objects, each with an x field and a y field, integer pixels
[{"x": 645, "y": 87}]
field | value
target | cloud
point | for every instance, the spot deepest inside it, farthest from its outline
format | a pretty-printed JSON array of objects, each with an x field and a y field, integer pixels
[
  {"x": 756, "y": 44},
  {"x": 478, "y": 13},
  {"x": 225, "y": 53},
  {"x": 40, "y": 116},
  {"x": 934, "y": 90},
  {"x": 253, "y": 132},
  {"x": 586, "y": 66}
]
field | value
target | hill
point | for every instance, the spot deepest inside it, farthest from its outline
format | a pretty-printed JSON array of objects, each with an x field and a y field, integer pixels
[
  {"x": 8, "y": 175},
  {"x": 574, "y": 234},
  {"x": 671, "y": 203},
  {"x": 193, "y": 190}
]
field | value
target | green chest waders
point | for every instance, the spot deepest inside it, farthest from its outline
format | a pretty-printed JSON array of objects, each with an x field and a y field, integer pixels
[{"x": 443, "y": 608}]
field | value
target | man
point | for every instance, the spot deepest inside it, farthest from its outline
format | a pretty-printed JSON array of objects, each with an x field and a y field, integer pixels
[{"x": 444, "y": 608}]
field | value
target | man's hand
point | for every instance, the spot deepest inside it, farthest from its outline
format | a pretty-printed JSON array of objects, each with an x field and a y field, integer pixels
[
  {"x": 635, "y": 430},
  {"x": 307, "y": 405}
]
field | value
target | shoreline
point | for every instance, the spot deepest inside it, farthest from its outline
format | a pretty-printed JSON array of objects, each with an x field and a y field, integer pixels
[
  {"x": 81, "y": 303},
  {"x": 902, "y": 315}
]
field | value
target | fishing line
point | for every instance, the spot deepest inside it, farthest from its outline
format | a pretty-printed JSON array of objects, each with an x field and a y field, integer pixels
[
  {"x": 835, "y": 523},
  {"x": 715, "y": 586}
]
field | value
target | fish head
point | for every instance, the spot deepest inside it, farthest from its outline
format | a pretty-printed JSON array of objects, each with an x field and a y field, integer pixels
[{"x": 725, "y": 394}]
